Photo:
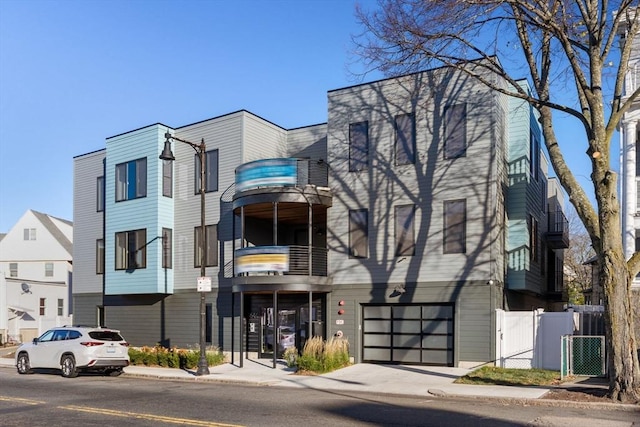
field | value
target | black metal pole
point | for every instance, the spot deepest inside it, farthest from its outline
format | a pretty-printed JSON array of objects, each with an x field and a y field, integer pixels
[{"x": 203, "y": 365}]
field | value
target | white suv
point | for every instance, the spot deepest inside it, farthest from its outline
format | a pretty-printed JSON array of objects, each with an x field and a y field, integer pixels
[{"x": 74, "y": 349}]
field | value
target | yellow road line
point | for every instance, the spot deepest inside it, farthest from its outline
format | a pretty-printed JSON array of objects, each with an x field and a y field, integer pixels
[
  {"x": 18, "y": 399},
  {"x": 184, "y": 421}
]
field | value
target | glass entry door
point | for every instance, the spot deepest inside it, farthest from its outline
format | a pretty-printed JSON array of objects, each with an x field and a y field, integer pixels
[{"x": 284, "y": 337}]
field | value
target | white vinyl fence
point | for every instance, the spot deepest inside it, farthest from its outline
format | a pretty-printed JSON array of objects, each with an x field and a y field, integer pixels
[{"x": 531, "y": 339}]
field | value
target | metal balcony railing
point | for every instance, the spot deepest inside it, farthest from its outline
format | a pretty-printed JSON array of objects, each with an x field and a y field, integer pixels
[
  {"x": 274, "y": 260},
  {"x": 557, "y": 230}
]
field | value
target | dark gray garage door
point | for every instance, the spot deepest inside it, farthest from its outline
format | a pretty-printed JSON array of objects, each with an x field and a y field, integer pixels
[{"x": 416, "y": 333}]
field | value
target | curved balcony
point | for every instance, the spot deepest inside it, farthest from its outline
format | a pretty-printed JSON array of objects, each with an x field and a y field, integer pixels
[{"x": 281, "y": 208}]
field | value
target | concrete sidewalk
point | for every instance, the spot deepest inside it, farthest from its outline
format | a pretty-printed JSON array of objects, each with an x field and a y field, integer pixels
[{"x": 384, "y": 379}]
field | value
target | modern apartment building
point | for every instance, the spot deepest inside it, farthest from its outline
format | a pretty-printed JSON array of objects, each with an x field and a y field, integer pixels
[{"x": 402, "y": 223}]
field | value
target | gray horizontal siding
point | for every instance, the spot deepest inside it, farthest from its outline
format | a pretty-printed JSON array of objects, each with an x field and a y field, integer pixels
[{"x": 87, "y": 222}]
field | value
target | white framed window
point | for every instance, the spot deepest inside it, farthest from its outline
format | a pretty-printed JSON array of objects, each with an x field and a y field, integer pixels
[
  {"x": 13, "y": 269},
  {"x": 60, "y": 307},
  {"x": 29, "y": 234},
  {"x": 48, "y": 269},
  {"x": 43, "y": 306}
]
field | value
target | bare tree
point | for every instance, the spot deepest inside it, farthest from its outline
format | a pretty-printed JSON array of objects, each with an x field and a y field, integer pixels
[
  {"x": 568, "y": 49},
  {"x": 577, "y": 257}
]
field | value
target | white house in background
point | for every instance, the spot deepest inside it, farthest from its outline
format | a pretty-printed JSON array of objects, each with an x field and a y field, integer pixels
[
  {"x": 629, "y": 129},
  {"x": 36, "y": 267}
]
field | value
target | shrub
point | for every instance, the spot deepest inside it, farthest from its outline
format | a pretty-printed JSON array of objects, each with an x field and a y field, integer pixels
[
  {"x": 324, "y": 356},
  {"x": 173, "y": 357}
]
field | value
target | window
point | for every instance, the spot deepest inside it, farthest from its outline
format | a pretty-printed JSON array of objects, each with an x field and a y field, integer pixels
[
  {"x": 60, "y": 307},
  {"x": 532, "y": 224},
  {"x": 637, "y": 155},
  {"x": 405, "y": 139},
  {"x": 131, "y": 250},
  {"x": 167, "y": 178},
  {"x": 100, "y": 256},
  {"x": 212, "y": 246},
  {"x": 13, "y": 269},
  {"x": 29, "y": 234},
  {"x": 455, "y": 131},
  {"x": 358, "y": 146},
  {"x": 43, "y": 306},
  {"x": 100, "y": 194},
  {"x": 211, "y": 171},
  {"x": 167, "y": 248},
  {"x": 534, "y": 155},
  {"x": 131, "y": 180},
  {"x": 48, "y": 269},
  {"x": 455, "y": 224},
  {"x": 359, "y": 233},
  {"x": 405, "y": 230}
]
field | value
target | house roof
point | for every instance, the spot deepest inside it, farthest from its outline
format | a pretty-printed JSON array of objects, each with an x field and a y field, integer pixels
[{"x": 54, "y": 230}]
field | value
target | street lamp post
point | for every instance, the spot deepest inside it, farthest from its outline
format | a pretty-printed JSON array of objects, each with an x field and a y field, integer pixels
[{"x": 200, "y": 149}]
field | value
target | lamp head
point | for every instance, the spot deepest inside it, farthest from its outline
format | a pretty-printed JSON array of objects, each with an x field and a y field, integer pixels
[{"x": 166, "y": 152}]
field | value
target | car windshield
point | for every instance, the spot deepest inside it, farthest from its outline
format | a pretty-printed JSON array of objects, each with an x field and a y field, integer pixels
[{"x": 106, "y": 336}]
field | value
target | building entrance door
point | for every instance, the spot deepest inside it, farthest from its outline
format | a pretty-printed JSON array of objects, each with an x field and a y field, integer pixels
[{"x": 285, "y": 334}]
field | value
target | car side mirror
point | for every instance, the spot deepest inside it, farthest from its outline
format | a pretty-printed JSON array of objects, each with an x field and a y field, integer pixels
[{"x": 35, "y": 341}]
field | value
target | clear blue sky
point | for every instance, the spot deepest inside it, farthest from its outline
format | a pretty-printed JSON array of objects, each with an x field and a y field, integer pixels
[{"x": 73, "y": 73}]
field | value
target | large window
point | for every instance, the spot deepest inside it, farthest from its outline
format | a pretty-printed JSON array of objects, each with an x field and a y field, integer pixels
[
  {"x": 212, "y": 246},
  {"x": 100, "y": 194},
  {"x": 167, "y": 248},
  {"x": 48, "y": 269},
  {"x": 359, "y": 233},
  {"x": 167, "y": 178},
  {"x": 405, "y": 230},
  {"x": 131, "y": 250},
  {"x": 455, "y": 128},
  {"x": 100, "y": 256},
  {"x": 131, "y": 180},
  {"x": 358, "y": 146},
  {"x": 405, "y": 139},
  {"x": 29, "y": 234},
  {"x": 211, "y": 171},
  {"x": 455, "y": 224}
]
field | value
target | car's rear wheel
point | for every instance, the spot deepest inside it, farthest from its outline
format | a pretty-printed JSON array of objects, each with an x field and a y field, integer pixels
[
  {"x": 23, "y": 365},
  {"x": 69, "y": 369}
]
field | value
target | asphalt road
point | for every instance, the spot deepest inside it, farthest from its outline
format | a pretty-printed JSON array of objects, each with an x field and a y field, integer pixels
[{"x": 47, "y": 399}]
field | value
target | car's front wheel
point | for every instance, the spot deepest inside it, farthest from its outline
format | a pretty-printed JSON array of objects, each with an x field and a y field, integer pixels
[
  {"x": 69, "y": 369},
  {"x": 23, "y": 364}
]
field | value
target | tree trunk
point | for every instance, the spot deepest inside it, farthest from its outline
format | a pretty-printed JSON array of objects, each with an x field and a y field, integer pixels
[{"x": 622, "y": 361}]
